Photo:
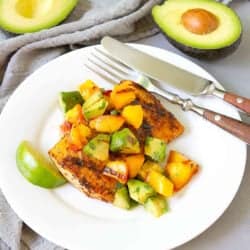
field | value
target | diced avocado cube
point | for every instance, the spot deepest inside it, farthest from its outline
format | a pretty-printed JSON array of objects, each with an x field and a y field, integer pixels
[
  {"x": 98, "y": 147},
  {"x": 156, "y": 205},
  {"x": 68, "y": 100},
  {"x": 155, "y": 149},
  {"x": 147, "y": 167},
  {"x": 122, "y": 198},
  {"x": 139, "y": 190},
  {"x": 92, "y": 100},
  {"x": 124, "y": 141},
  {"x": 133, "y": 204},
  {"x": 96, "y": 109}
]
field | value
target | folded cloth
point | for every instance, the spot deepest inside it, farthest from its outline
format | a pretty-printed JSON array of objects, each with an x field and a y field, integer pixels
[{"x": 21, "y": 55}]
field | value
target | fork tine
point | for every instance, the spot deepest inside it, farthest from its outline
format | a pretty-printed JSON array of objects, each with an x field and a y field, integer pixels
[
  {"x": 111, "y": 65},
  {"x": 99, "y": 73},
  {"x": 114, "y": 61},
  {"x": 108, "y": 69}
]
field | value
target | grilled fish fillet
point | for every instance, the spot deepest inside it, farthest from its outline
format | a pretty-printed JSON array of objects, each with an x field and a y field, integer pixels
[
  {"x": 157, "y": 121},
  {"x": 85, "y": 172}
]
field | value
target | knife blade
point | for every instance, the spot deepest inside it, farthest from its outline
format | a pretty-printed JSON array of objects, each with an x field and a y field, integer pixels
[{"x": 166, "y": 72}]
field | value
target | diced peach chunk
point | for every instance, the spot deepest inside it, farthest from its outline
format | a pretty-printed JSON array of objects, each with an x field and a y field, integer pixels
[
  {"x": 87, "y": 89},
  {"x": 147, "y": 167},
  {"x": 160, "y": 183},
  {"x": 180, "y": 169},
  {"x": 175, "y": 156},
  {"x": 134, "y": 164},
  {"x": 133, "y": 115},
  {"x": 121, "y": 99},
  {"x": 79, "y": 134},
  {"x": 124, "y": 86},
  {"x": 75, "y": 115},
  {"x": 117, "y": 170},
  {"x": 107, "y": 123}
]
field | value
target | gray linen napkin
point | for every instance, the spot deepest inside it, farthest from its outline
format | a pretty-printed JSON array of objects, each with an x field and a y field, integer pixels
[{"x": 21, "y": 55}]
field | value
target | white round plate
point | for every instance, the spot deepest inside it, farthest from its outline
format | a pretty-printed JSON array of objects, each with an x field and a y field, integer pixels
[{"x": 70, "y": 219}]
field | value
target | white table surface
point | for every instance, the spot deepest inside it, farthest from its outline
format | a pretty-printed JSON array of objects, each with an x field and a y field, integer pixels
[{"x": 232, "y": 230}]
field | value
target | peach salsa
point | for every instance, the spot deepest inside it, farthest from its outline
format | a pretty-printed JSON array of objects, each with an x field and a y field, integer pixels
[{"x": 114, "y": 148}]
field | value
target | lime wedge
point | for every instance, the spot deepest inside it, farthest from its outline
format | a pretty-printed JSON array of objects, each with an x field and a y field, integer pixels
[{"x": 36, "y": 168}]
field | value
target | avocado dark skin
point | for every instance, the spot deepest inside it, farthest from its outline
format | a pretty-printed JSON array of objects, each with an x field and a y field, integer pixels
[{"x": 205, "y": 54}]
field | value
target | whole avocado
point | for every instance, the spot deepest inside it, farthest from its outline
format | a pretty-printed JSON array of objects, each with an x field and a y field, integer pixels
[{"x": 200, "y": 28}]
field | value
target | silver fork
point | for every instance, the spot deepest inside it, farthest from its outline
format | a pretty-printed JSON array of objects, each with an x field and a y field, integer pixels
[{"x": 110, "y": 69}]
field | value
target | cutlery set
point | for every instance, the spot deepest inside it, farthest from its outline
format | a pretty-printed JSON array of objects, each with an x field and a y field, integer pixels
[{"x": 119, "y": 61}]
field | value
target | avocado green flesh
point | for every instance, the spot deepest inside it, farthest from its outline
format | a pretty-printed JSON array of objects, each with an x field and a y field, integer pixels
[
  {"x": 96, "y": 110},
  {"x": 125, "y": 142},
  {"x": 168, "y": 18},
  {"x": 122, "y": 199},
  {"x": 147, "y": 167},
  {"x": 68, "y": 100},
  {"x": 36, "y": 168},
  {"x": 139, "y": 190},
  {"x": 94, "y": 106},
  {"x": 155, "y": 149},
  {"x": 98, "y": 147},
  {"x": 97, "y": 96},
  {"x": 156, "y": 205},
  {"x": 25, "y": 16}
]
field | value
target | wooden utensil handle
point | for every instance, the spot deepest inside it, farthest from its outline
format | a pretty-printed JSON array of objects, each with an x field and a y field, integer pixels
[
  {"x": 240, "y": 102},
  {"x": 233, "y": 126}
]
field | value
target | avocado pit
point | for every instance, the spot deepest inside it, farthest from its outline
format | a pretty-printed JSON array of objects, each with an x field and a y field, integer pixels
[{"x": 199, "y": 21}]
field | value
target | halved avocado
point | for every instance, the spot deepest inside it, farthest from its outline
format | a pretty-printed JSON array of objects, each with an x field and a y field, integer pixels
[
  {"x": 200, "y": 28},
  {"x": 25, "y": 16}
]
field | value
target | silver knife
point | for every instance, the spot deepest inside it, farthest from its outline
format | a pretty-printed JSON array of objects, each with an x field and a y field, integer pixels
[{"x": 170, "y": 74}]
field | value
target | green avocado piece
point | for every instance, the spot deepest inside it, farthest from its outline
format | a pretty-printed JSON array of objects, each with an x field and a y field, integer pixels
[
  {"x": 94, "y": 106},
  {"x": 155, "y": 149},
  {"x": 156, "y": 205},
  {"x": 97, "y": 96},
  {"x": 220, "y": 41},
  {"x": 96, "y": 110},
  {"x": 68, "y": 100},
  {"x": 147, "y": 167},
  {"x": 36, "y": 168},
  {"x": 122, "y": 199},
  {"x": 125, "y": 142},
  {"x": 139, "y": 190},
  {"x": 26, "y": 16},
  {"x": 98, "y": 147}
]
